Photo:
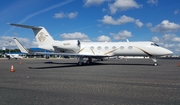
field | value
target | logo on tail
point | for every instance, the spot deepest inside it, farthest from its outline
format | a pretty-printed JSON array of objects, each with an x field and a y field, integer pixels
[{"x": 41, "y": 36}]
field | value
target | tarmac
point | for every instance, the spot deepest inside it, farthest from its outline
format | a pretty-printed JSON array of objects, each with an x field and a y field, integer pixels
[{"x": 111, "y": 82}]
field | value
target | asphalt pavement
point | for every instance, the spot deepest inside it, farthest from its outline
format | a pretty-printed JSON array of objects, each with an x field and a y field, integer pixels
[{"x": 111, "y": 82}]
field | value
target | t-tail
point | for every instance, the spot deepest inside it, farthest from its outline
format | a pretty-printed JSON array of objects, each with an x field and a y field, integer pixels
[{"x": 44, "y": 39}]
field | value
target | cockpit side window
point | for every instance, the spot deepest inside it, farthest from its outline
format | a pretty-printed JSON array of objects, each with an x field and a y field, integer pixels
[{"x": 154, "y": 44}]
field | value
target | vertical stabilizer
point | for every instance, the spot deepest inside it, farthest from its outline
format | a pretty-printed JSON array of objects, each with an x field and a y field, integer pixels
[{"x": 44, "y": 39}]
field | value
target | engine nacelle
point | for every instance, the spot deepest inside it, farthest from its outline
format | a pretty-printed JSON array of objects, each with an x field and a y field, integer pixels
[{"x": 67, "y": 46}]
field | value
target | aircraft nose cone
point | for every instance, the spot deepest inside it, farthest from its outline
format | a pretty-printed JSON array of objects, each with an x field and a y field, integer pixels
[
  {"x": 165, "y": 51},
  {"x": 169, "y": 52}
]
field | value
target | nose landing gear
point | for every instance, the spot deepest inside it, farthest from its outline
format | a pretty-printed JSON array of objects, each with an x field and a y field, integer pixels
[{"x": 154, "y": 60}]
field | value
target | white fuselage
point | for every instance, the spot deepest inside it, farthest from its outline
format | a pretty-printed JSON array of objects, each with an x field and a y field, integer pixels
[
  {"x": 125, "y": 48},
  {"x": 116, "y": 48}
]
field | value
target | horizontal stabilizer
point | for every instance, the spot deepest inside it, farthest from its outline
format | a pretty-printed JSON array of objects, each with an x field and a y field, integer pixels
[{"x": 25, "y": 26}]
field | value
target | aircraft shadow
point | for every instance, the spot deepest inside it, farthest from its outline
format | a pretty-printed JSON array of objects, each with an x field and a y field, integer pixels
[{"x": 69, "y": 65}]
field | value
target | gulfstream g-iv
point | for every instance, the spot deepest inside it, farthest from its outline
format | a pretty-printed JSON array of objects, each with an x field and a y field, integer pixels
[{"x": 95, "y": 49}]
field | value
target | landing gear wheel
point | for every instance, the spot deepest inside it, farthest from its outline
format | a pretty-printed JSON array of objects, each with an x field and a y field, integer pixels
[
  {"x": 155, "y": 64},
  {"x": 88, "y": 62},
  {"x": 80, "y": 63}
]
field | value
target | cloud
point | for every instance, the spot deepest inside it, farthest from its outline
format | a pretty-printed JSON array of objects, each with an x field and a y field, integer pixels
[
  {"x": 138, "y": 23},
  {"x": 170, "y": 41},
  {"x": 7, "y": 41},
  {"x": 123, "y": 5},
  {"x": 177, "y": 50},
  {"x": 169, "y": 45},
  {"x": 178, "y": 46},
  {"x": 149, "y": 24},
  {"x": 72, "y": 15},
  {"x": 124, "y": 34},
  {"x": 166, "y": 38},
  {"x": 166, "y": 26},
  {"x": 176, "y": 11},
  {"x": 155, "y": 2},
  {"x": 120, "y": 21},
  {"x": 88, "y": 3},
  {"x": 75, "y": 36},
  {"x": 59, "y": 15},
  {"x": 103, "y": 38},
  {"x": 68, "y": 15},
  {"x": 155, "y": 39},
  {"x": 104, "y": 9},
  {"x": 176, "y": 39}
]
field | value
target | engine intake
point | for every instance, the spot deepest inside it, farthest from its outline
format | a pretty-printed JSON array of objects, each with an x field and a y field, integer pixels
[{"x": 67, "y": 46}]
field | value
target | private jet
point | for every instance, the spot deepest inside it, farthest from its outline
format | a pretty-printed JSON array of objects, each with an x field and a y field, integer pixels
[
  {"x": 14, "y": 56},
  {"x": 97, "y": 50}
]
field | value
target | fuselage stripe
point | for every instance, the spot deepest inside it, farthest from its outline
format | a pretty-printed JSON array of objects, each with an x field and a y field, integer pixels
[{"x": 143, "y": 51}]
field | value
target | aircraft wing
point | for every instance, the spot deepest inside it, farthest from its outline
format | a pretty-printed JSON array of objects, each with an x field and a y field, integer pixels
[{"x": 73, "y": 54}]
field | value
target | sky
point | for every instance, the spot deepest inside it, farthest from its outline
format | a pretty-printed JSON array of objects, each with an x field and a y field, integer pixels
[{"x": 93, "y": 20}]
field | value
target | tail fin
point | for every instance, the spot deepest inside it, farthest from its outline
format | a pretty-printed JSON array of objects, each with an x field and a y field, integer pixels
[
  {"x": 44, "y": 39},
  {"x": 22, "y": 48}
]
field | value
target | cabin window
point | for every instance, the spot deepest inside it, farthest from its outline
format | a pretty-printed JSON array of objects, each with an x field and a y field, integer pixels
[
  {"x": 130, "y": 47},
  {"x": 122, "y": 47},
  {"x": 114, "y": 47},
  {"x": 92, "y": 48},
  {"x": 99, "y": 47},
  {"x": 106, "y": 47}
]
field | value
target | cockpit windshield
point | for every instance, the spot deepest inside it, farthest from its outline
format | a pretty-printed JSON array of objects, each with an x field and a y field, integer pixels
[{"x": 154, "y": 44}]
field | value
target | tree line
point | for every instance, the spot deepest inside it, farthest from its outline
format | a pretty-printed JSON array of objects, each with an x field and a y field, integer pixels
[{"x": 9, "y": 50}]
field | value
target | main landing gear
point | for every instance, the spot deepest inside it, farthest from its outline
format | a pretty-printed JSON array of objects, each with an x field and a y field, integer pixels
[
  {"x": 81, "y": 61},
  {"x": 155, "y": 61}
]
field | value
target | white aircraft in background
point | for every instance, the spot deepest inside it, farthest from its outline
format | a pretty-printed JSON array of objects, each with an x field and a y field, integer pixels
[
  {"x": 15, "y": 56},
  {"x": 95, "y": 49}
]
